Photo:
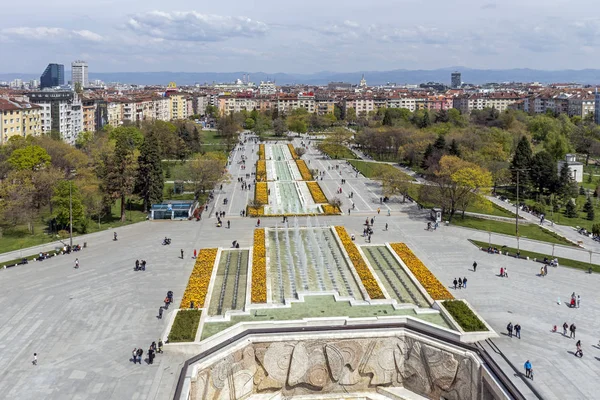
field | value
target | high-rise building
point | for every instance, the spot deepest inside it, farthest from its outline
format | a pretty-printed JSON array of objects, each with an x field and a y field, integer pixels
[
  {"x": 54, "y": 75},
  {"x": 79, "y": 73},
  {"x": 597, "y": 107},
  {"x": 456, "y": 81}
]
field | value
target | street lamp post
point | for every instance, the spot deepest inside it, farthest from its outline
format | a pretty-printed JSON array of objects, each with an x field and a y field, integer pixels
[
  {"x": 517, "y": 213},
  {"x": 70, "y": 214}
]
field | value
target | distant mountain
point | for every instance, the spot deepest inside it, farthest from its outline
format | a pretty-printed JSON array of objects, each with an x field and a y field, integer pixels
[{"x": 400, "y": 76}]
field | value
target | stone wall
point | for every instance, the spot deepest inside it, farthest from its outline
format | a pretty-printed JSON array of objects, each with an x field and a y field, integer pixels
[{"x": 315, "y": 366}]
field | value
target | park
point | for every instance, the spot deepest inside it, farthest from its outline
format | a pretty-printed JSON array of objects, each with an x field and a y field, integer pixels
[{"x": 348, "y": 312}]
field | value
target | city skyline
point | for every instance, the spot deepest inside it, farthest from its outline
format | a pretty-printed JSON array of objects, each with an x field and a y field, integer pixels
[{"x": 293, "y": 38}]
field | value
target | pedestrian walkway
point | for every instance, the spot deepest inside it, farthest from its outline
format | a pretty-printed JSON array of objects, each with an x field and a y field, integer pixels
[{"x": 568, "y": 232}]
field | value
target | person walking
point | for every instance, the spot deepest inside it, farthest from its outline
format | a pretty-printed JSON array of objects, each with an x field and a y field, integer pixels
[
  {"x": 77, "y": 263},
  {"x": 509, "y": 328},
  {"x": 150, "y": 356},
  {"x": 518, "y": 330},
  {"x": 455, "y": 283},
  {"x": 565, "y": 327},
  {"x": 228, "y": 224},
  {"x": 34, "y": 361},
  {"x": 134, "y": 355},
  {"x": 160, "y": 312},
  {"x": 527, "y": 369},
  {"x": 474, "y": 266},
  {"x": 258, "y": 223},
  {"x": 160, "y": 345},
  {"x": 572, "y": 329},
  {"x": 502, "y": 271},
  {"x": 460, "y": 283},
  {"x": 140, "y": 354},
  {"x": 465, "y": 282},
  {"x": 195, "y": 253},
  {"x": 181, "y": 254},
  {"x": 505, "y": 272},
  {"x": 578, "y": 300},
  {"x": 386, "y": 226},
  {"x": 578, "y": 352}
]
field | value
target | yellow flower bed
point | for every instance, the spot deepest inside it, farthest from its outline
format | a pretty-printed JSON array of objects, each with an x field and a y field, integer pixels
[
  {"x": 261, "y": 170},
  {"x": 328, "y": 209},
  {"x": 261, "y": 151},
  {"x": 304, "y": 171},
  {"x": 197, "y": 286},
  {"x": 261, "y": 192},
  {"x": 293, "y": 151},
  {"x": 316, "y": 192},
  {"x": 431, "y": 284},
  {"x": 363, "y": 271},
  {"x": 255, "y": 211},
  {"x": 259, "y": 268}
]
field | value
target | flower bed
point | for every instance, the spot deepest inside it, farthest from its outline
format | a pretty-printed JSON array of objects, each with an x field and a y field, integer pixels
[
  {"x": 463, "y": 315},
  {"x": 259, "y": 268},
  {"x": 427, "y": 279},
  {"x": 361, "y": 267},
  {"x": 261, "y": 192},
  {"x": 328, "y": 209},
  {"x": 255, "y": 211},
  {"x": 261, "y": 151},
  {"x": 293, "y": 151},
  {"x": 316, "y": 192},
  {"x": 185, "y": 326},
  {"x": 197, "y": 286},
  {"x": 304, "y": 171},
  {"x": 261, "y": 171}
]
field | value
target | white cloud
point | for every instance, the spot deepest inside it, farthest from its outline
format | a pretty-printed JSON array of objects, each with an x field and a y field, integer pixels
[
  {"x": 193, "y": 26},
  {"x": 48, "y": 34}
]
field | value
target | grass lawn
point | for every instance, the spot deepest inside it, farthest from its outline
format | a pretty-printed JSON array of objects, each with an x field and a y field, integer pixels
[
  {"x": 337, "y": 151},
  {"x": 372, "y": 169},
  {"x": 559, "y": 216},
  {"x": 185, "y": 326},
  {"x": 485, "y": 207},
  {"x": 566, "y": 262},
  {"x": 18, "y": 237},
  {"x": 529, "y": 231}
]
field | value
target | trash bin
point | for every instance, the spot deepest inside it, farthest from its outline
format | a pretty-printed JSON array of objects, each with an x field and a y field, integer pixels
[{"x": 84, "y": 245}]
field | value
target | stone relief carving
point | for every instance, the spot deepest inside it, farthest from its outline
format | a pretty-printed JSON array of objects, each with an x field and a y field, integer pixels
[{"x": 341, "y": 365}]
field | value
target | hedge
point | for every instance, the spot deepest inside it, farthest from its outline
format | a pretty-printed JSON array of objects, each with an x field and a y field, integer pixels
[
  {"x": 463, "y": 315},
  {"x": 185, "y": 326}
]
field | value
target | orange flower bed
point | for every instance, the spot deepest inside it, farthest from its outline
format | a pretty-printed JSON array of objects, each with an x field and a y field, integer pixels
[
  {"x": 432, "y": 285},
  {"x": 261, "y": 151},
  {"x": 328, "y": 209},
  {"x": 316, "y": 192},
  {"x": 259, "y": 268},
  {"x": 255, "y": 211},
  {"x": 197, "y": 286},
  {"x": 361, "y": 267},
  {"x": 261, "y": 192},
  {"x": 304, "y": 171},
  {"x": 261, "y": 171},
  {"x": 293, "y": 151}
]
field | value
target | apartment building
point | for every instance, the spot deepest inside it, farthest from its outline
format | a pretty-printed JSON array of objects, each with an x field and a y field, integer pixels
[
  {"x": 362, "y": 105},
  {"x": 161, "y": 107},
  {"x": 114, "y": 113},
  {"x": 18, "y": 118},
  {"x": 62, "y": 111},
  {"x": 89, "y": 116},
  {"x": 324, "y": 104},
  {"x": 478, "y": 101},
  {"x": 178, "y": 105}
]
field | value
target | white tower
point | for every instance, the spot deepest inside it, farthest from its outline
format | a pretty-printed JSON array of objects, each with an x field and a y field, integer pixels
[{"x": 79, "y": 73}]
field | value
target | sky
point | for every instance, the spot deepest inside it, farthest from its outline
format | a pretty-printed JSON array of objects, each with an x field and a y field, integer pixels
[{"x": 299, "y": 37}]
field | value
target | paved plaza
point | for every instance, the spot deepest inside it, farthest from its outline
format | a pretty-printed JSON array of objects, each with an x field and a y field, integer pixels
[{"x": 84, "y": 323}]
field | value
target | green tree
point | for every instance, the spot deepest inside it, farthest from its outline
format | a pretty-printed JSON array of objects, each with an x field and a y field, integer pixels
[
  {"x": 543, "y": 171},
  {"x": 262, "y": 124},
  {"x": 63, "y": 190},
  {"x": 521, "y": 161},
  {"x": 570, "y": 209},
  {"x": 566, "y": 186},
  {"x": 150, "y": 182},
  {"x": 249, "y": 123},
  {"x": 387, "y": 119},
  {"x": 30, "y": 158},
  {"x": 118, "y": 170},
  {"x": 279, "y": 127},
  {"x": 453, "y": 150}
]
